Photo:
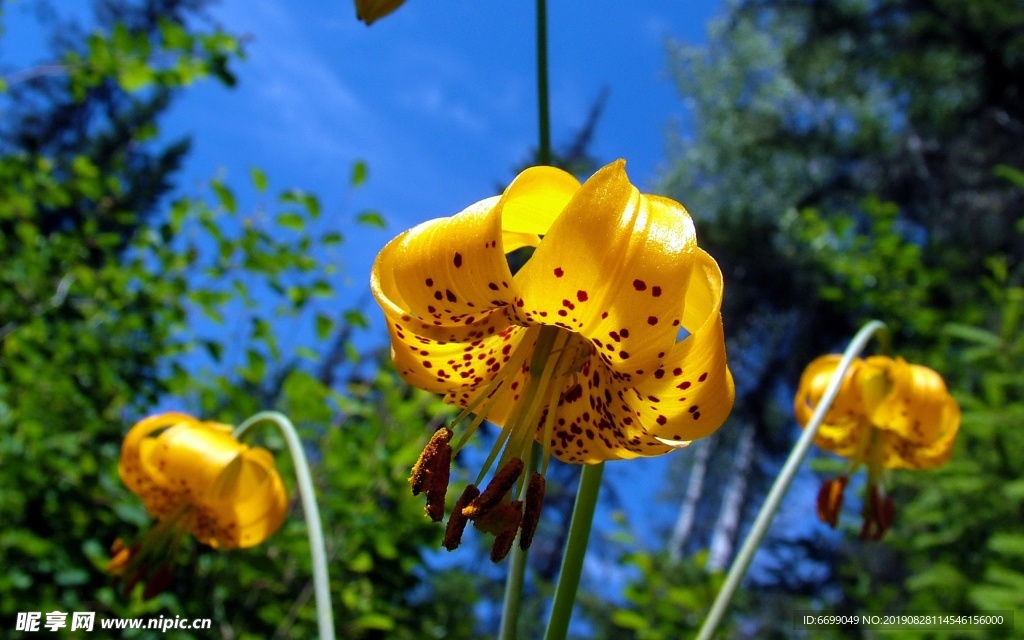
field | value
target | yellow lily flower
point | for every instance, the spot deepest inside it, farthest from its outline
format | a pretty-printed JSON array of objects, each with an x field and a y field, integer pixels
[
  {"x": 369, "y": 11},
  {"x": 582, "y": 350},
  {"x": 195, "y": 476},
  {"x": 888, "y": 415}
]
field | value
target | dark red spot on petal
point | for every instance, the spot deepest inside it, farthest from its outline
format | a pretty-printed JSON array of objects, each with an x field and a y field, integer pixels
[
  {"x": 703, "y": 377},
  {"x": 448, "y": 294},
  {"x": 558, "y": 272},
  {"x": 655, "y": 291},
  {"x": 581, "y": 295},
  {"x": 430, "y": 282},
  {"x": 652, "y": 320},
  {"x": 458, "y": 260},
  {"x": 639, "y": 285}
]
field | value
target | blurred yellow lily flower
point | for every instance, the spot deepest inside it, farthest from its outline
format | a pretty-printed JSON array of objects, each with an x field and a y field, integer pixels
[
  {"x": 195, "y": 476},
  {"x": 582, "y": 350},
  {"x": 888, "y": 415},
  {"x": 369, "y": 11}
]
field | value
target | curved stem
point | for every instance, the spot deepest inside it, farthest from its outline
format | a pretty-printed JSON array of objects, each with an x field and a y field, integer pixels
[
  {"x": 543, "y": 109},
  {"x": 771, "y": 504},
  {"x": 575, "y": 550},
  {"x": 304, "y": 482}
]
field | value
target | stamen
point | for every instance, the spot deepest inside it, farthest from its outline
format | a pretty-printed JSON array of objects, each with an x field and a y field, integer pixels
[
  {"x": 436, "y": 485},
  {"x": 423, "y": 467},
  {"x": 877, "y": 513},
  {"x": 457, "y": 522},
  {"x": 830, "y": 500},
  {"x": 512, "y": 515},
  {"x": 499, "y": 486},
  {"x": 531, "y": 514}
]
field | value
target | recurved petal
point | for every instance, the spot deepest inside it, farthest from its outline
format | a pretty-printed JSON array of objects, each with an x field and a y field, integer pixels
[
  {"x": 248, "y": 500},
  {"x": 903, "y": 453},
  {"x": 188, "y": 457},
  {"x": 136, "y": 443},
  {"x": 917, "y": 404},
  {"x": 691, "y": 393},
  {"x": 613, "y": 267},
  {"x": 446, "y": 269},
  {"x": 816, "y": 377}
]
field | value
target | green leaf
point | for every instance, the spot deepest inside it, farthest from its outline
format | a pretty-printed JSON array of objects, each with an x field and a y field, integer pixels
[
  {"x": 324, "y": 326},
  {"x": 377, "y": 621},
  {"x": 359, "y": 172},
  {"x": 1010, "y": 544},
  {"x": 372, "y": 219},
  {"x": 224, "y": 196},
  {"x": 292, "y": 220},
  {"x": 259, "y": 179},
  {"x": 629, "y": 619}
]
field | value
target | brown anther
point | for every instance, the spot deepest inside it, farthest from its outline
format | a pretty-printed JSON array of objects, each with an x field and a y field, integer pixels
[
  {"x": 500, "y": 485},
  {"x": 830, "y": 500},
  {"x": 457, "y": 522},
  {"x": 436, "y": 483},
  {"x": 531, "y": 514},
  {"x": 158, "y": 581},
  {"x": 439, "y": 442},
  {"x": 878, "y": 515},
  {"x": 503, "y": 521}
]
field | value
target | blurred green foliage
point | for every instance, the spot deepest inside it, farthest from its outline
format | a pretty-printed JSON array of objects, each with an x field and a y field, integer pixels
[{"x": 114, "y": 301}]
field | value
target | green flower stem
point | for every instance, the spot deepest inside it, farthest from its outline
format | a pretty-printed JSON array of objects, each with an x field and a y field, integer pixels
[
  {"x": 516, "y": 572},
  {"x": 543, "y": 108},
  {"x": 796, "y": 457},
  {"x": 575, "y": 550},
  {"x": 321, "y": 584}
]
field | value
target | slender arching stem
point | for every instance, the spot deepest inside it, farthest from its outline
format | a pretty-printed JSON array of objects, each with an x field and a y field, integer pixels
[
  {"x": 304, "y": 482},
  {"x": 796, "y": 457},
  {"x": 575, "y": 551}
]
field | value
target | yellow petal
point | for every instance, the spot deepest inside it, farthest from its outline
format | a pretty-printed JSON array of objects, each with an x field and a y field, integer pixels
[
  {"x": 444, "y": 285},
  {"x": 137, "y": 441},
  {"x": 691, "y": 393},
  {"x": 916, "y": 405},
  {"x": 614, "y": 267},
  {"x": 903, "y": 453},
  {"x": 189, "y": 457},
  {"x": 247, "y": 500},
  {"x": 594, "y": 423},
  {"x": 846, "y": 408}
]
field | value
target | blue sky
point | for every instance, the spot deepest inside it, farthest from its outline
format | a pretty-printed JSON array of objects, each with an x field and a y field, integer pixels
[{"x": 438, "y": 99}]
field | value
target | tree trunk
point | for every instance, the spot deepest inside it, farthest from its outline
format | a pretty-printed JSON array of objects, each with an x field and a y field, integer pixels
[
  {"x": 723, "y": 539},
  {"x": 688, "y": 510}
]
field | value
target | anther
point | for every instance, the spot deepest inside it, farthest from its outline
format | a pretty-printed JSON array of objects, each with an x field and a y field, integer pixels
[
  {"x": 503, "y": 522},
  {"x": 457, "y": 522},
  {"x": 878, "y": 515},
  {"x": 436, "y": 483},
  {"x": 830, "y": 500},
  {"x": 439, "y": 442},
  {"x": 531, "y": 514},
  {"x": 500, "y": 485}
]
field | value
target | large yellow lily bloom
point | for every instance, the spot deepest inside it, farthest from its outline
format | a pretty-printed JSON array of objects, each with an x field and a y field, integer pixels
[
  {"x": 888, "y": 414},
  {"x": 608, "y": 343},
  {"x": 225, "y": 493}
]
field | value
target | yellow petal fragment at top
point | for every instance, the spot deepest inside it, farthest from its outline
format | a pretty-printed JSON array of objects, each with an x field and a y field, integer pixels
[{"x": 614, "y": 267}]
